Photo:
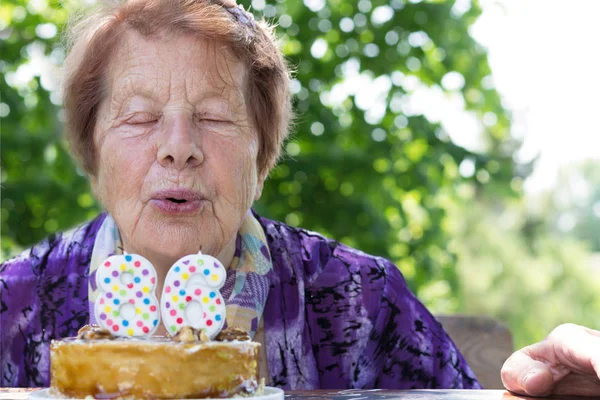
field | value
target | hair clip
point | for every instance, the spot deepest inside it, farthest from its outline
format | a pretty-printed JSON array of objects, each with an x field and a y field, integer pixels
[{"x": 242, "y": 15}]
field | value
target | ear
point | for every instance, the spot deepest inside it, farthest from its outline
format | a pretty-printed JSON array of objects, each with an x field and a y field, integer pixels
[{"x": 260, "y": 183}]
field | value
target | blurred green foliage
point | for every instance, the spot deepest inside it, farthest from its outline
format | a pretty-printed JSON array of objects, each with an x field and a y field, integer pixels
[
  {"x": 511, "y": 267},
  {"x": 362, "y": 169},
  {"x": 42, "y": 191}
]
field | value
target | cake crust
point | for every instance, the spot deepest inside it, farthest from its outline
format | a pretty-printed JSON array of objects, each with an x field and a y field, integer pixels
[{"x": 153, "y": 368}]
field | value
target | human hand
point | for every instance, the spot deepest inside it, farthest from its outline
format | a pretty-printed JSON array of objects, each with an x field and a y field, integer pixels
[{"x": 567, "y": 362}]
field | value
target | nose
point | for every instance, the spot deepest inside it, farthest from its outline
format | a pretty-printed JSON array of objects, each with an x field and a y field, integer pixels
[{"x": 180, "y": 144}]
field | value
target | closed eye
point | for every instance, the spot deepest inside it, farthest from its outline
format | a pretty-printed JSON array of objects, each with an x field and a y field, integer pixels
[
  {"x": 210, "y": 118},
  {"x": 141, "y": 118},
  {"x": 212, "y": 121}
]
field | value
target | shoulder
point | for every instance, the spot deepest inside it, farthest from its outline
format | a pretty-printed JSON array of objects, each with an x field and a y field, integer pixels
[
  {"x": 56, "y": 261},
  {"x": 323, "y": 259},
  {"x": 337, "y": 283},
  {"x": 51, "y": 253}
]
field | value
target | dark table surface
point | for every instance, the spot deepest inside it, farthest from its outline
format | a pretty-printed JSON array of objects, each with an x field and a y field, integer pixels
[{"x": 375, "y": 394}]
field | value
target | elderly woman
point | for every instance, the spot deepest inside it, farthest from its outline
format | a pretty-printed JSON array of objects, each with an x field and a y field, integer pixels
[{"x": 177, "y": 110}]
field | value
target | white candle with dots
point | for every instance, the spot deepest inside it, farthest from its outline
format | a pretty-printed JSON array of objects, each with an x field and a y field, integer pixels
[
  {"x": 191, "y": 295},
  {"x": 127, "y": 304}
]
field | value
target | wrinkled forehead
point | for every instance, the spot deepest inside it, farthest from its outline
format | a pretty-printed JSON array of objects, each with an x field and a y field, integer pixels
[{"x": 164, "y": 66}]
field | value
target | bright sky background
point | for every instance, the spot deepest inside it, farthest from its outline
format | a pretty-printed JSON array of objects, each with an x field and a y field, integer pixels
[{"x": 545, "y": 59}]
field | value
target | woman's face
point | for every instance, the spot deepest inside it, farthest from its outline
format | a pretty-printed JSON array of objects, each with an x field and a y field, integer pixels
[{"x": 177, "y": 152}]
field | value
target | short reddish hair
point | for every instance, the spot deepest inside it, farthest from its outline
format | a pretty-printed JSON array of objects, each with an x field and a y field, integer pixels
[{"x": 94, "y": 39}]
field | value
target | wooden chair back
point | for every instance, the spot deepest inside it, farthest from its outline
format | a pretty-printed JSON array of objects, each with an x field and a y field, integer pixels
[{"x": 485, "y": 343}]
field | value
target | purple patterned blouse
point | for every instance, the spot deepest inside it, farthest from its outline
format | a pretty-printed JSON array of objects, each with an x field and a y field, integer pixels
[{"x": 335, "y": 317}]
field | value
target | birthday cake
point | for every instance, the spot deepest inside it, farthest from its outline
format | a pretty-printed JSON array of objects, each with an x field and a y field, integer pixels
[
  {"x": 121, "y": 359},
  {"x": 187, "y": 365}
]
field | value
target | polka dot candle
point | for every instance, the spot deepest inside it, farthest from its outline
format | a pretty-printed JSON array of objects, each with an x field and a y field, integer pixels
[
  {"x": 191, "y": 295},
  {"x": 127, "y": 304}
]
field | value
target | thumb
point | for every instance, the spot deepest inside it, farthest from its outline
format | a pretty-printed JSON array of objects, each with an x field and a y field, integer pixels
[{"x": 524, "y": 375}]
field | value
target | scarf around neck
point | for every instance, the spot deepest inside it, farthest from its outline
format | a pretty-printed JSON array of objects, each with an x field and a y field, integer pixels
[{"x": 246, "y": 287}]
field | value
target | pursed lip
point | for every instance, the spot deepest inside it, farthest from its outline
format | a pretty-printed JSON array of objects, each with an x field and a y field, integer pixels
[{"x": 177, "y": 201}]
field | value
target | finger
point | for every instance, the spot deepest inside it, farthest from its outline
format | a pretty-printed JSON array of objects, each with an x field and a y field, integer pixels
[
  {"x": 575, "y": 347},
  {"x": 525, "y": 375}
]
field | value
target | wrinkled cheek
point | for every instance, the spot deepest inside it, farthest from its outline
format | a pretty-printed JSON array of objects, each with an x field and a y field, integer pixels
[{"x": 120, "y": 180}]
